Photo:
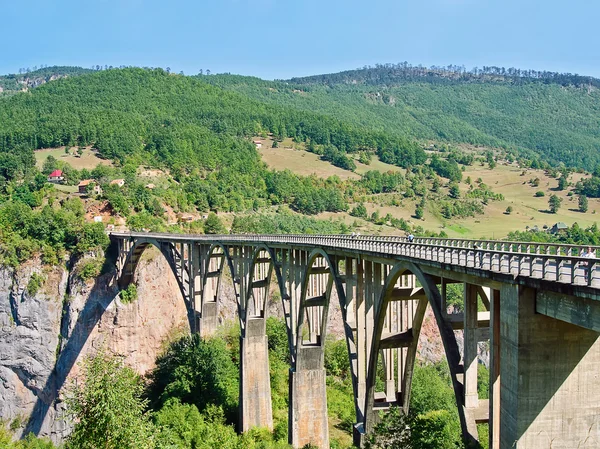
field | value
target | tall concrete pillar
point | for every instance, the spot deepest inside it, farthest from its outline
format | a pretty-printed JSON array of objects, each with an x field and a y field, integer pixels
[
  {"x": 549, "y": 378},
  {"x": 470, "y": 347},
  {"x": 208, "y": 322},
  {"x": 494, "y": 382},
  {"x": 255, "y": 382},
  {"x": 308, "y": 400}
]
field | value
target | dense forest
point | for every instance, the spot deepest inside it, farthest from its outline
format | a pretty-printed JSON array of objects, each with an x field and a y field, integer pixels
[{"x": 199, "y": 130}]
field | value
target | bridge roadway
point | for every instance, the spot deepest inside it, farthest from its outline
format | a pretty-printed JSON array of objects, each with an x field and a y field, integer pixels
[{"x": 534, "y": 306}]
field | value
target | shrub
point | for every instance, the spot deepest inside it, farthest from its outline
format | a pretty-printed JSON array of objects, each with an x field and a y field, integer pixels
[
  {"x": 433, "y": 430},
  {"x": 392, "y": 432},
  {"x": 130, "y": 294},
  {"x": 539, "y": 194},
  {"x": 183, "y": 426},
  {"x": 337, "y": 362},
  {"x": 35, "y": 283},
  {"x": 278, "y": 339},
  {"x": 90, "y": 268},
  {"x": 214, "y": 225}
]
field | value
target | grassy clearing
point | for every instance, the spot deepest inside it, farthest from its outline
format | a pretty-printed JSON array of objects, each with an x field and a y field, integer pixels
[
  {"x": 376, "y": 164},
  {"x": 65, "y": 188},
  {"x": 302, "y": 163},
  {"x": 509, "y": 180},
  {"x": 89, "y": 159}
]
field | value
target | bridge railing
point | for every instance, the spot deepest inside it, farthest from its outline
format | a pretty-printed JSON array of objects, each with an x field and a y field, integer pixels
[{"x": 546, "y": 261}]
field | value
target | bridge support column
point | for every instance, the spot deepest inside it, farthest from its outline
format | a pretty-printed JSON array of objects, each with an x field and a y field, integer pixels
[
  {"x": 549, "y": 382},
  {"x": 209, "y": 320},
  {"x": 308, "y": 400},
  {"x": 255, "y": 383}
]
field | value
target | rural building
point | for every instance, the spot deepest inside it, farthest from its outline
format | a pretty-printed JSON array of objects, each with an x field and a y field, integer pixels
[
  {"x": 558, "y": 227},
  {"x": 56, "y": 177},
  {"x": 185, "y": 218},
  {"x": 83, "y": 185},
  {"x": 258, "y": 143},
  {"x": 150, "y": 186},
  {"x": 117, "y": 182}
]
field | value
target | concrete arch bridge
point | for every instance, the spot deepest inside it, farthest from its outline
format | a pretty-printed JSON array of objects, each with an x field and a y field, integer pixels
[{"x": 541, "y": 319}]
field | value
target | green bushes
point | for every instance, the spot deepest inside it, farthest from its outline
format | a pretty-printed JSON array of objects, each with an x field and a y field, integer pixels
[
  {"x": 29, "y": 442},
  {"x": 51, "y": 231},
  {"x": 130, "y": 294},
  {"x": 35, "y": 283},
  {"x": 90, "y": 269},
  {"x": 432, "y": 422},
  {"x": 285, "y": 222},
  {"x": 199, "y": 372},
  {"x": 337, "y": 362},
  {"x": 107, "y": 407}
]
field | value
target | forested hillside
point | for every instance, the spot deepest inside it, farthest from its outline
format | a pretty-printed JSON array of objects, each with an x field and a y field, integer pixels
[
  {"x": 125, "y": 111},
  {"x": 197, "y": 134},
  {"x": 545, "y": 115},
  {"x": 27, "y": 78}
]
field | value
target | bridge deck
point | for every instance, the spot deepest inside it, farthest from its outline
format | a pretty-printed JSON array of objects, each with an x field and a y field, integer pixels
[{"x": 559, "y": 267}]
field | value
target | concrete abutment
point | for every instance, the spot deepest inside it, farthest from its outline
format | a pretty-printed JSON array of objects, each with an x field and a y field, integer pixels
[{"x": 549, "y": 377}]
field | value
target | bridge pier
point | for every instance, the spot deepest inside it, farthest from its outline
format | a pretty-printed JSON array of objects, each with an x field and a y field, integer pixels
[
  {"x": 308, "y": 400},
  {"x": 255, "y": 383},
  {"x": 208, "y": 322},
  {"x": 549, "y": 377}
]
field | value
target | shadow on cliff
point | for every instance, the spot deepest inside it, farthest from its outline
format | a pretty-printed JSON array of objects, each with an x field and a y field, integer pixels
[{"x": 99, "y": 298}]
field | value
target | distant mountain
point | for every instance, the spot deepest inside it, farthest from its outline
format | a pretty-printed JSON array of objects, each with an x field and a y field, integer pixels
[
  {"x": 13, "y": 83},
  {"x": 394, "y": 74},
  {"x": 541, "y": 115}
]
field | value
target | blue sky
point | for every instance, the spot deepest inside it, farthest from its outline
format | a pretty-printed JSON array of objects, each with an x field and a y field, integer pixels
[{"x": 285, "y": 38}]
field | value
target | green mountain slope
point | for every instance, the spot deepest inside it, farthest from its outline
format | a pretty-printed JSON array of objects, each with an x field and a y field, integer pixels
[
  {"x": 127, "y": 111},
  {"x": 13, "y": 83},
  {"x": 554, "y": 119}
]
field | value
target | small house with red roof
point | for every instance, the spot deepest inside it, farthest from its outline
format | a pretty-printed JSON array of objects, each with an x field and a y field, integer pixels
[{"x": 56, "y": 177}]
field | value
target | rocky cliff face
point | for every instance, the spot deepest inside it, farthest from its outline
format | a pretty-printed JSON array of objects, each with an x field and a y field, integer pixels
[
  {"x": 29, "y": 337},
  {"x": 44, "y": 335}
]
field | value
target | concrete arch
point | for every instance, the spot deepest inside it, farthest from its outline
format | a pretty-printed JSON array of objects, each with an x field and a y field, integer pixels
[
  {"x": 333, "y": 279},
  {"x": 168, "y": 250},
  {"x": 262, "y": 285},
  {"x": 133, "y": 258},
  {"x": 433, "y": 297}
]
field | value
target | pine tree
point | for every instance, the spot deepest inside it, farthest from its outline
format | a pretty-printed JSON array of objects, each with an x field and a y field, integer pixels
[{"x": 583, "y": 203}]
